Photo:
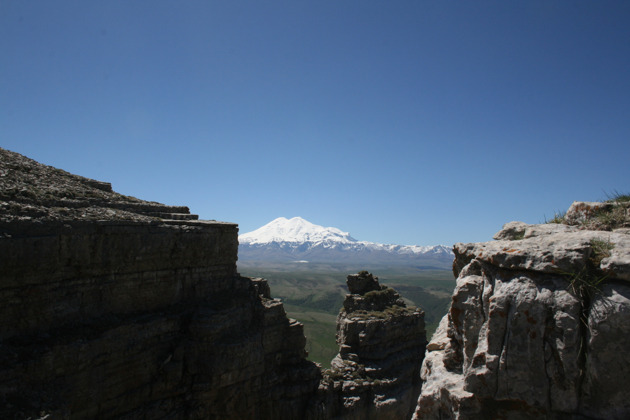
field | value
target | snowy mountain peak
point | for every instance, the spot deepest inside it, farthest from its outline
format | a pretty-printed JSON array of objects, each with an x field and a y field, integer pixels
[
  {"x": 297, "y": 239},
  {"x": 295, "y": 229}
]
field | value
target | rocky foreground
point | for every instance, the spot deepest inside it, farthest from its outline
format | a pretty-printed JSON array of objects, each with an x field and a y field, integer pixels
[
  {"x": 539, "y": 325},
  {"x": 119, "y": 308},
  {"x": 114, "y": 307}
]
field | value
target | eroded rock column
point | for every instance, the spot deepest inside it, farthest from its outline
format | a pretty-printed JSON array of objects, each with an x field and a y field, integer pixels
[{"x": 381, "y": 346}]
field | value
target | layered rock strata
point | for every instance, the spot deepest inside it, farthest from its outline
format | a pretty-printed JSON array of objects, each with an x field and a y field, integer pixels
[
  {"x": 114, "y": 307},
  {"x": 539, "y": 324},
  {"x": 381, "y": 346}
]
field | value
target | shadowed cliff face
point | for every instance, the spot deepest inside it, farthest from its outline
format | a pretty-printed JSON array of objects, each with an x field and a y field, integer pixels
[
  {"x": 539, "y": 324},
  {"x": 114, "y": 307}
]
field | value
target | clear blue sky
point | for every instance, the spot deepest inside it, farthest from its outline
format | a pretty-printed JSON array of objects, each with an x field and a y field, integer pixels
[{"x": 410, "y": 122}]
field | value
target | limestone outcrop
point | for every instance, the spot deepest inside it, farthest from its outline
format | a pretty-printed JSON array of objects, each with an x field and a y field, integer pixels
[
  {"x": 381, "y": 346},
  {"x": 114, "y": 307},
  {"x": 539, "y": 324}
]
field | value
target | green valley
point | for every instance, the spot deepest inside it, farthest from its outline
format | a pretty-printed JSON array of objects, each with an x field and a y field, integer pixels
[{"x": 313, "y": 294}]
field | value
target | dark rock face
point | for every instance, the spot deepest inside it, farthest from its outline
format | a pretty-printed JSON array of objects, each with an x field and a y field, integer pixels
[
  {"x": 381, "y": 347},
  {"x": 360, "y": 284},
  {"x": 119, "y": 308},
  {"x": 114, "y": 307}
]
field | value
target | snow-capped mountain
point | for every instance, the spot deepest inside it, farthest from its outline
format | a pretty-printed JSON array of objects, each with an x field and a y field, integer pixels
[
  {"x": 296, "y": 239},
  {"x": 295, "y": 230}
]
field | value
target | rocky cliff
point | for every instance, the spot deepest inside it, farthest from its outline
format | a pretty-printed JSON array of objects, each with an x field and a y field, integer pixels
[
  {"x": 119, "y": 308},
  {"x": 114, "y": 307},
  {"x": 539, "y": 325},
  {"x": 376, "y": 374}
]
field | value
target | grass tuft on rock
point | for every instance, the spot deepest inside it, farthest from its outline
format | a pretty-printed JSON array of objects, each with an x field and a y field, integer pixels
[
  {"x": 586, "y": 282},
  {"x": 601, "y": 250},
  {"x": 559, "y": 217},
  {"x": 613, "y": 214},
  {"x": 617, "y": 197},
  {"x": 617, "y": 217}
]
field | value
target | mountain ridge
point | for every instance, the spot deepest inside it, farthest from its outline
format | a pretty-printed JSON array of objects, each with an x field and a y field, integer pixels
[
  {"x": 297, "y": 239},
  {"x": 295, "y": 229}
]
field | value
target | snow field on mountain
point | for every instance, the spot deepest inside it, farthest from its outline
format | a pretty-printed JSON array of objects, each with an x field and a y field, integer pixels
[{"x": 300, "y": 233}]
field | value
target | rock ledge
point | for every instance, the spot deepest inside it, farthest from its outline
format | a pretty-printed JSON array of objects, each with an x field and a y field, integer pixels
[{"x": 539, "y": 324}]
